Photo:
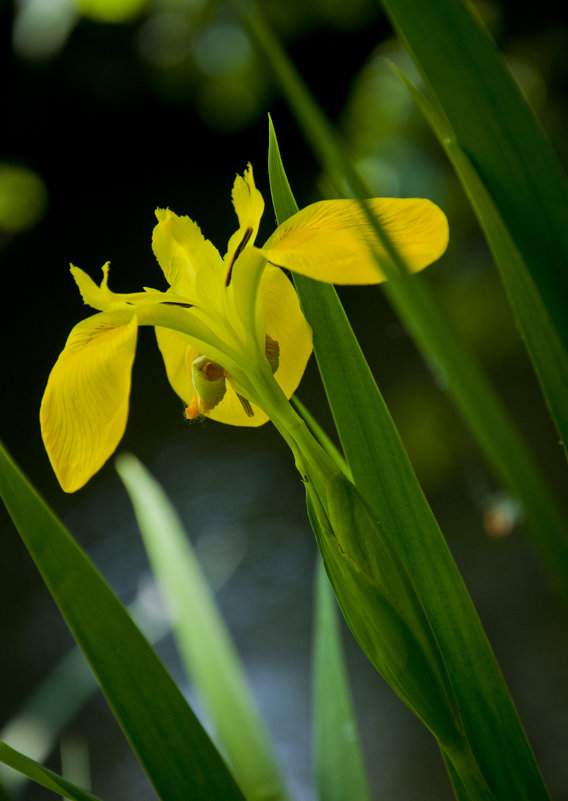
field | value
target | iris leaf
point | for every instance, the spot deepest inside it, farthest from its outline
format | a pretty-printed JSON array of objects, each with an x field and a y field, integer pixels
[
  {"x": 500, "y": 136},
  {"x": 385, "y": 479},
  {"x": 545, "y": 348},
  {"x": 43, "y": 776},
  {"x": 483, "y": 410},
  {"x": 206, "y": 648},
  {"x": 339, "y": 767},
  {"x": 174, "y": 750},
  {"x": 58, "y": 698}
]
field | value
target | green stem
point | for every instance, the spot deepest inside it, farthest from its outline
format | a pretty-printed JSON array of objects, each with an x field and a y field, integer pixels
[{"x": 313, "y": 463}]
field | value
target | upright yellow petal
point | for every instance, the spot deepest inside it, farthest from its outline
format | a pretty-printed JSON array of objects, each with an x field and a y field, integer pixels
[
  {"x": 185, "y": 256},
  {"x": 249, "y": 206},
  {"x": 330, "y": 240},
  {"x": 85, "y": 406}
]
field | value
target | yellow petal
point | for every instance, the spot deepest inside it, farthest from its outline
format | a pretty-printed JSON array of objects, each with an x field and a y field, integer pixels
[
  {"x": 231, "y": 411},
  {"x": 178, "y": 355},
  {"x": 174, "y": 348},
  {"x": 249, "y": 206},
  {"x": 85, "y": 406},
  {"x": 185, "y": 256},
  {"x": 98, "y": 297},
  {"x": 285, "y": 323},
  {"x": 330, "y": 240}
]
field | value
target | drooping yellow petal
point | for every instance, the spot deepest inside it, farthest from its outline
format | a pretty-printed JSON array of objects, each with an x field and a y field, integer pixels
[
  {"x": 191, "y": 264},
  {"x": 85, "y": 406},
  {"x": 104, "y": 299},
  {"x": 330, "y": 240},
  {"x": 286, "y": 324},
  {"x": 249, "y": 206}
]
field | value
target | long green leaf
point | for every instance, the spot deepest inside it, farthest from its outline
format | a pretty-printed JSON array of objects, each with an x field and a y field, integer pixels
[
  {"x": 384, "y": 476},
  {"x": 205, "y": 645},
  {"x": 499, "y": 134},
  {"x": 487, "y": 416},
  {"x": 339, "y": 767},
  {"x": 43, "y": 776},
  {"x": 383, "y": 610},
  {"x": 178, "y": 757},
  {"x": 547, "y": 353},
  {"x": 59, "y": 696}
]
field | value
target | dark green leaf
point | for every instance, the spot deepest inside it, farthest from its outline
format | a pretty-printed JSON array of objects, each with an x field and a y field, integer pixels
[
  {"x": 169, "y": 741},
  {"x": 498, "y": 133},
  {"x": 385, "y": 478},
  {"x": 43, "y": 776},
  {"x": 339, "y": 767}
]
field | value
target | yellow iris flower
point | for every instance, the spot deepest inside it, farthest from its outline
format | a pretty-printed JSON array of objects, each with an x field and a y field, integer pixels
[{"x": 226, "y": 327}]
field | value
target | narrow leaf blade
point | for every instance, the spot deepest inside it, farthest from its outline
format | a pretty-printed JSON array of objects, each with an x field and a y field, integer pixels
[
  {"x": 340, "y": 770},
  {"x": 499, "y": 134},
  {"x": 43, "y": 776},
  {"x": 385, "y": 478},
  {"x": 546, "y": 350},
  {"x": 169, "y": 741},
  {"x": 208, "y": 653}
]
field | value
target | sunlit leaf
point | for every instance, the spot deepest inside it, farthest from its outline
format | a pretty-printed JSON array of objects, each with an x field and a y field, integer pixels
[{"x": 205, "y": 645}]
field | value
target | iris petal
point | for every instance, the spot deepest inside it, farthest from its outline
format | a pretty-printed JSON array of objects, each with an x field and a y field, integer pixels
[
  {"x": 231, "y": 411},
  {"x": 191, "y": 264},
  {"x": 249, "y": 206},
  {"x": 85, "y": 406},
  {"x": 178, "y": 354},
  {"x": 285, "y": 322},
  {"x": 331, "y": 240},
  {"x": 174, "y": 348}
]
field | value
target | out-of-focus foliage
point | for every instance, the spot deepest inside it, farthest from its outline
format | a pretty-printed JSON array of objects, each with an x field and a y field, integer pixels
[
  {"x": 193, "y": 50},
  {"x": 23, "y": 198}
]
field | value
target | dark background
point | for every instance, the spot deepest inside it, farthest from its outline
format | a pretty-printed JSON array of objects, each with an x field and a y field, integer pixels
[{"x": 111, "y": 120}]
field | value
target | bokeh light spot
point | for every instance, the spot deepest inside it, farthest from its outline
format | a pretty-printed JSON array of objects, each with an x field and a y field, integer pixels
[
  {"x": 227, "y": 104},
  {"x": 41, "y": 29},
  {"x": 165, "y": 39},
  {"x": 222, "y": 49},
  {"x": 112, "y": 11},
  {"x": 23, "y": 198}
]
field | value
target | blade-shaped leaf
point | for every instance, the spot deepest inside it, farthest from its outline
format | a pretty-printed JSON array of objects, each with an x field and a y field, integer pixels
[
  {"x": 57, "y": 699},
  {"x": 169, "y": 741},
  {"x": 339, "y": 764},
  {"x": 548, "y": 355},
  {"x": 499, "y": 134},
  {"x": 382, "y": 608},
  {"x": 205, "y": 645},
  {"x": 385, "y": 478},
  {"x": 353, "y": 394},
  {"x": 43, "y": 776}
]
